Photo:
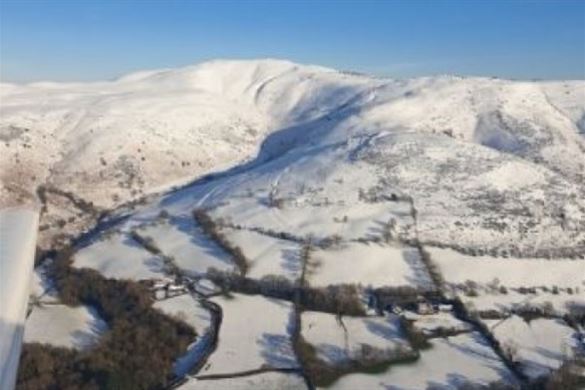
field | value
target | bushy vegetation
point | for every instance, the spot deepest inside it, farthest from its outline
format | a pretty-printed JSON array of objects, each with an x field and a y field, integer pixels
[
  {"x": 137, "y": 351},
  {"x": 432, "y": 268},
  {"x": 566, "y": 377},
  {"x": 308, "y": 264},
  {"x": 417, "y": 339},
  {"x": 337, "y": 299},
  {"x": 268, "y": 232},
  {"x": 331, "y": 242},
  {"x": 274, "y": 201},
  {"x": 81, "y": 204},
  {"x": 530, "y": 312},
  {"x": 406, "y": 296},
  {"x": 146, "y": 242},
  {"x": 576, "y": 315},
  {"x": 213, "y": 231}
]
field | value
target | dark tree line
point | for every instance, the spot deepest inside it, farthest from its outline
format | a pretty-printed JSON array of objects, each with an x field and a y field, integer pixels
[
  {"x": 341, "y": 299},
  {"x": 213, "y": 231},
  {"x": 136, "y": 352}
]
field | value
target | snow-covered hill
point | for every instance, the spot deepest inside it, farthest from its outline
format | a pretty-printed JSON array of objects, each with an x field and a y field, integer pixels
[
  {"x": 305, "y": 177},
  {"x": 111, "y": 142}
]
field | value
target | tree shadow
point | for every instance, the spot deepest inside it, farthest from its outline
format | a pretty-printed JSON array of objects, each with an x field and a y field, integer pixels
[
  {"x": 86, "y": 338},
  {"x": 277, "y": 350},
  {"x": 332, "y": 354},
  {"x": 420, "y": 275},
  {"x": 83, "y": 339},
  {"x": 153, "y": 263},
  {"x": 291, "y": 261},
  {"x": 389, "y": 330},
  {"x": 375, "y": 231},
  {"x": 186, "y": 224}
]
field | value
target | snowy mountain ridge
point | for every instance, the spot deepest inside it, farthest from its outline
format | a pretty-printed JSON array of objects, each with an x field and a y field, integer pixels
[
  {"x": 110, "y": 142},
  {"x": 401, "y": 234}
]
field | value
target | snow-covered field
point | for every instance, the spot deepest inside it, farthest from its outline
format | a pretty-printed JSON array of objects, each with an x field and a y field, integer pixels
[
  {"x": 338, "y": 344},
  {"x": 263, "y": 381},
  {"x": 490, "y": 283},
  {"x": 118, "y": 256},
  {"x": 562, "y": 302},
  {"x": 448, "y": 364},
  {"x": 255, "y": 331},
  {"x": 181, "y": 239},
  {"x": 188, "y": 309},
  {"x": 459, "y": 268},
  {"x": 18, "y": 233},
  {"x": 371, "y": 264},
  {"x": 267, "y": 255},
  {"x": 349, "y": 219},
  {"x": 63, "y": 326},
  {"x": 541, "y": 345}
]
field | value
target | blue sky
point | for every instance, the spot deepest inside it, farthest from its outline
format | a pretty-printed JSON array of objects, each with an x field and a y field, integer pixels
[{"x": 92, "y": 40}]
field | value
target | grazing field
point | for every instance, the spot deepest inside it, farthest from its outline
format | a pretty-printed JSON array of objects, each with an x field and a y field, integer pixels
[
  {"x": 181, "y": 239},
  {"x": 459, "y": 268},
  {"x": 339, "y": 341},
  {"x": 561, "y": 302},
  {"x": 267, "y": 255},
  {"x": 539, "y": 346},
  {"x": 263, "y": 381},
  {"x": 448, "y": 364},
  {"x": 255, "y": 332},
  {"x": 64, "y": 326},
  {"x": 118, "y": 256},
  {"x": 369, "y": 264},
  {"x": 351, "y": 219},
  {"x": 502, "y": 284}
]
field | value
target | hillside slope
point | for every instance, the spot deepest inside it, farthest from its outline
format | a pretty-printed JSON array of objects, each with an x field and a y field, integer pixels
[{"x": 105, "y": 143}]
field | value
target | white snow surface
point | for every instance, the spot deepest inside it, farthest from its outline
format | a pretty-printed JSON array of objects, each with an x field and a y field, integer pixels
[
  {"x": 255, "y": 331},
  {"x": 187, "y": 309},
  {"x": 267, "y": 255},
  {"x": 542, "y": 344},
  {"x": 511, "y": 272},
  {"x": 182, "y": 239},
  {"x": 118, "y": 256},
  {"x": 451, "y": 362},
  {"x": 372, "y": 264},
  {"x": 64, "y": 326},
  {"x": 263, "y": 381}
]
